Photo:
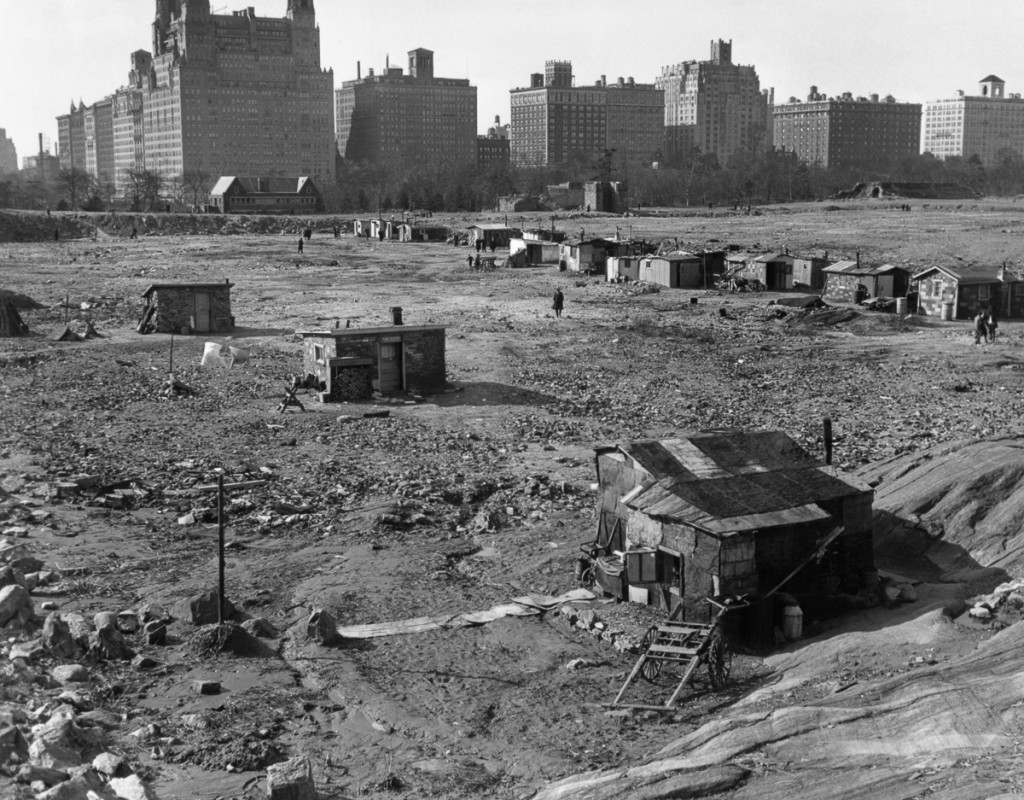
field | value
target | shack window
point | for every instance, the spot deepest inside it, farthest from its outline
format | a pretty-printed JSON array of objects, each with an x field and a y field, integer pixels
[
  {"x": 984, "y": 292},
  {"x": 670, "y": 571},
  {"x": 937, "y": 287},
  {"x": 318, "y": 354}
]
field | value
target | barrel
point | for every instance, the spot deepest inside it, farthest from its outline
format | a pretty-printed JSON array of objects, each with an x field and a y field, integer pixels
[
  {"x": 693, "y": 301},
  {"x": 396, "y": 314},
  {"x": 792, "y": 623},
  {"x": 901, "y": 305},
  {"x": 947, "y": 312}
]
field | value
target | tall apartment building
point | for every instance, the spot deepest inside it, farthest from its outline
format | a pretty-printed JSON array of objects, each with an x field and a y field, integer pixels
[
  {"x": 715, "y": 106},
  {"x": 237, "y": 94},
  {"x": 847, "y": 131},
  {"x": 71, "y": 137},
  {"x": 969, "y": 125},
  {"x": 8, "y": 154},
  {"x": 418, "y": 117},
  {"x": 99, "y": 140},
  {"x": 129, "y": 131},
  {"x": 554, "y": 121},
  {"x": 492, "y": 148}
]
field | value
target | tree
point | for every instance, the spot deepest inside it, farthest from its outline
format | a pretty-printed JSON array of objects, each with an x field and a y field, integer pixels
[
  {"x": 197, "y": 181},
  {"x": 73, "y": 183},
  {"x": 144, "y": 187}
]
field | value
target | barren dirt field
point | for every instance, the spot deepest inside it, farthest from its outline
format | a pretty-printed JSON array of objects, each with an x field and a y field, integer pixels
[{"x": 469, "y": 499}]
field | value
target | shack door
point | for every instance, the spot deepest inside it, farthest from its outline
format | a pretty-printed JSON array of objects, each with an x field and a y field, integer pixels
[
  {"x": 390, "y": 367},
  {"x": 203, "y": 313},
  {"x": 1016, "y": 309}
]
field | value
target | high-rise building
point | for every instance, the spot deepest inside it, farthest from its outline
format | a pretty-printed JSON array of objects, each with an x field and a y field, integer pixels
[
  {"x": 237, "y": 94},
  {"x": 416, "y": 118},
  {"x": 554, "y": 121},
  {"x": 847, "y": 131},
  {"x": 129, "y": 131},
  {"x": 71, "y": 137},
  {"x": 99, "y": 140},
  {"x": 975, "y": 125},
  {"x": 715, "y": 106},
  {"x": 8, "y": 154}
]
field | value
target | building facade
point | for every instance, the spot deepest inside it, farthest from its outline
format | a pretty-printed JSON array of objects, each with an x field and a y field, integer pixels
[
  {"x": 71, "y": 137},
  {"x": 229, "y": 94},
  {"x": 8, "y": 154},
  {"x": 554, "y": 121},
  {"x": 975, "y": 125},
  {"x": 715, "y": 106},
  {"x": 844, "y": 131},
  {"x": 413, "y": 117}
]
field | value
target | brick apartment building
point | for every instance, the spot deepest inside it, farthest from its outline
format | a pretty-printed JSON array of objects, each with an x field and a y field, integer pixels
[
  {"x": 847, "y": 130},
  {"x": 715, "y": 106},
  {"x": 981, "y": 125},
  {"x": 415, "y": 117},
  {"x": 555, "y": 121}
]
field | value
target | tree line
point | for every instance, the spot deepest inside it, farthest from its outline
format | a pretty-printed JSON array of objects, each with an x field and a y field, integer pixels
[{"x": 693, "y": 179}]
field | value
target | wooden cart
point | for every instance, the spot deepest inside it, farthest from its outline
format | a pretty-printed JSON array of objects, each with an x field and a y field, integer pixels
[{"x": 687, "y": 646}]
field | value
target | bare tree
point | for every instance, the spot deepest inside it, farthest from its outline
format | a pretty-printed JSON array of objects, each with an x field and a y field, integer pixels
[
  {"x": 197, "y": 181},
  {"x": 74, "y": 182},
  {"x": 144, "y": 187}
]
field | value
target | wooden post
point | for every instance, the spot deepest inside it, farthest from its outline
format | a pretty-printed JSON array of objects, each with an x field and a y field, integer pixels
[
  {"x": 828, "y": 439},
  {"x": 67, "y": 307},
  {"x": 170, "y": 360},
  {"x": 220, "y": 549}
]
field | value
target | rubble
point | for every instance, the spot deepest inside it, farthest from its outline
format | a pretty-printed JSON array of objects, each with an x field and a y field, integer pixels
[
  {"x": 291, "y": 780},
  {"x": 15, "y": 605}
]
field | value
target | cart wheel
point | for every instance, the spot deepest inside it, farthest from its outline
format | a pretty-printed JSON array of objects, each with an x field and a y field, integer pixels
[
  {"x": 587, "y": 578},
  {"x": 719, "y": 660},
  {"x": 651, "y": 668}
]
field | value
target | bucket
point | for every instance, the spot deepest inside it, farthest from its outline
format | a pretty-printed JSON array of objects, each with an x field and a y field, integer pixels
[
  {"x": 396, "y": 314},
  {"x": 238, "y": 355},
  {"x": 947, "y": 312},
  {"x": 792, "y": 622},
  {"x": 901, "y": 306}
]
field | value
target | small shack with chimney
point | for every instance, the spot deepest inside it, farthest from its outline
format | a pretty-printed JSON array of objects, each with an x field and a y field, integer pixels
[
  {"x": 853, "y": 282},
  {"x": 728, "y": 513},
  {"x": 187, "y": 308},
  {"x": 353, "y": 363}
]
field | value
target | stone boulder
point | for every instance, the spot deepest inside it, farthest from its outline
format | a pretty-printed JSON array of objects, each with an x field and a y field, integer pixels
[
  {"x": 70, "y": 673},
  {"x": 57, "y": 638},
  {"x": 291, "y": 780},
  {"x": 15, "y": 605},
  {"x": 322, "y": 628},
  {"x": 131, "y": 788},
  {"x": 201, "y": 609}
]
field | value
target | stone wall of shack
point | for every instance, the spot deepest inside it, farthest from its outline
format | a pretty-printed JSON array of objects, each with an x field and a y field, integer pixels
[{"x": 176, "y": 309}]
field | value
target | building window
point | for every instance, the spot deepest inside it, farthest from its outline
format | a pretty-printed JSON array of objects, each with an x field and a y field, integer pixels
[{"x": 319, "y": 354}]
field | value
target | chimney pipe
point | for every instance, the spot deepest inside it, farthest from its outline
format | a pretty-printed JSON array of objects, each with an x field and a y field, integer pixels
[
  {"x": 827, "y": 422},
  {"x": 359, "y": 70}
]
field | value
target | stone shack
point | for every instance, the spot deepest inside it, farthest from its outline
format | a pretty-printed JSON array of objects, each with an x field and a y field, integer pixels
[
  {"x": 187, "y": 308},
  {"x": 968, "y": 290},
  {"x": 853, "y": 282},
  {"x": 729, "y": 513},
  {"x": 352, "y": 363}
]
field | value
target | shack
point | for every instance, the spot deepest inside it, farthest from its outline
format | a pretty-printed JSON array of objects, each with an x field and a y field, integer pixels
[
  {"x": 807, "y": 271},
  {"x": 352, "y": 363},
  {"x": 236, "y": 195},
  {"x": 591, "y": 255},
  {"x": 970, "y": 290},
  {"x": 420, "y": 232},
  {"x": 774, "y": 270},
  {"x": 187, "y": 308},
  {"x": 619, "y": 268},
  {"x": 490, "y": 233},
  {"x": 853, "y": 282},
  {"x": 729, "y": 513},
  {"x": 538, "y": 251},
  {"x": 679, "y": 270},
  {"x": 362, "y": 228}
]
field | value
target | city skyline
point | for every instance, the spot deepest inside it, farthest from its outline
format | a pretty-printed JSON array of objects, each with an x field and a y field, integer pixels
[{"x": 914, "y": 50}]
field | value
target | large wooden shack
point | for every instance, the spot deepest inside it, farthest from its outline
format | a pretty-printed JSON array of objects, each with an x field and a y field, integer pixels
[
  {"x": 728, "y": 513},
  {"x": 679, "y": 270},
  {"x": 187, "y": 308},
  {"x": 853, "y": 282},
  {"x": 970, "y": 290},
  {"x": 352, "y": 363}
]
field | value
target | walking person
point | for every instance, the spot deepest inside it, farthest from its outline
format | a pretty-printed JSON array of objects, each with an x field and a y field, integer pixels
[
  {"x": 558, "y": 303},
  {"x": 980, "y": 328},
  {"x": 991, "y": 325},
  {"x": 300, "y": 244}
]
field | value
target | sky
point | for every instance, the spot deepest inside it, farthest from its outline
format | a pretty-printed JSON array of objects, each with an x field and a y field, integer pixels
[{"x": 56, "y": 51}]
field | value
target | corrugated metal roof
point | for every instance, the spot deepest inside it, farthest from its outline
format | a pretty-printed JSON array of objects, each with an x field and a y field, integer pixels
[
  {"x": 853, "y": 268},
  {"x": 732, "y": 481}
]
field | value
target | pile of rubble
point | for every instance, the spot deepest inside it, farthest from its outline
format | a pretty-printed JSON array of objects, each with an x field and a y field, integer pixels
[{"x": 1004, "y": 606}]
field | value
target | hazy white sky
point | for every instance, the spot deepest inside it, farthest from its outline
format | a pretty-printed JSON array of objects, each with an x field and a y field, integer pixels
[{"x": 58, "y": 50}]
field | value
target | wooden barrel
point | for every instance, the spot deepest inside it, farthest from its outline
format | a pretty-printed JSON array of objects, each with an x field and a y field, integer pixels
[
  {"x": 947, "y": 312},
  {"x": 901, "y": 305}
]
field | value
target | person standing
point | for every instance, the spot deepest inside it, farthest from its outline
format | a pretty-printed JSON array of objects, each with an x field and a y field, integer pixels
[
  {"x": 980, "y": 328},
  {"x": 558, "y": 303},
  {"x": 300, "y": 244},
  {"x": 991, "y": 325}
]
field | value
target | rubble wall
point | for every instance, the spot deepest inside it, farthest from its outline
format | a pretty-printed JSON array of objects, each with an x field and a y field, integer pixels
[{"x": 176, "y": 308}]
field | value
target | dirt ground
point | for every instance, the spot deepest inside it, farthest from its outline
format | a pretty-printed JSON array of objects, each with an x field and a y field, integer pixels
[{"x": 455, "y": 504}]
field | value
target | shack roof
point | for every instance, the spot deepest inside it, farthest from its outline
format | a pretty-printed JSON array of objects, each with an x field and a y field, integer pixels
[
  {"x": 853, "y": 268},
  {"x": 490, "y": 226},
  {"x": 341, "y": 333},
  {"x": 726, "y": 482},
  {"x": 678, "y": 255},
  {"x": 768, "y": 257},
  {"x": 157, "y": 286},
  {"x": 974, "y": 273},
  {"x": 275, "y": 185}
]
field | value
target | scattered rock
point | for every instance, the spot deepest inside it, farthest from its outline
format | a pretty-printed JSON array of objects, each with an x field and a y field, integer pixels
[
  {"x": 155, "y": 632},
  {"x": 202, "y": 609},
  {"x": 127, "y": 622},
  {"x": 131, "y": 787},
  {"x": 144, "y": 662},
  {"x": 15, "y": 605},
  {"x": 57, "y": 638},
  {"x": 84, "y": 786},
  {"x": 261, "y": 627},
  {"x": 208, "y": 687},
  {"x": 109, "y": 764},
  {"x": 33, "y": 773},
  {"x": 70, "y": 673},
  {"x": 322, "y": 628},
  {"x": 291, "y": 780}
]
